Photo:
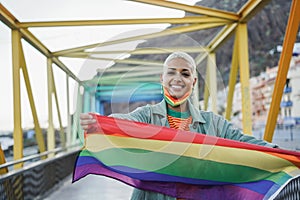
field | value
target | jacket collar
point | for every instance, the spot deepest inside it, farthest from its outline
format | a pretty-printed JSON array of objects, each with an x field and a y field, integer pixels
[{"x": 161, "y": 109}]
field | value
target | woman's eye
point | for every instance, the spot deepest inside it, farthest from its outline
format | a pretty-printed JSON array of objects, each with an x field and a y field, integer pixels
[
  {"x": 186, "y": 74},
  {"x": 171, "y": 72}
]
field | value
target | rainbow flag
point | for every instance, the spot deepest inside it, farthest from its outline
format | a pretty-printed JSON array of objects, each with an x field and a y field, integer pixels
[{"x": 184, "y": 164}]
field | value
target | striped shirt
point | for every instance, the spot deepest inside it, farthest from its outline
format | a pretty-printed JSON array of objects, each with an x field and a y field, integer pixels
[{"x": 179, "y": 120}]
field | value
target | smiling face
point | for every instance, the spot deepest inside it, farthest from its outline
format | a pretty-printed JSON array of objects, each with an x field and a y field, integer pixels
[{"x": 178, "y": 77}]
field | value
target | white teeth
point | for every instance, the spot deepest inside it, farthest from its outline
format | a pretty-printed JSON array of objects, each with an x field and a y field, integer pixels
[{"x": 176, "y": 86}]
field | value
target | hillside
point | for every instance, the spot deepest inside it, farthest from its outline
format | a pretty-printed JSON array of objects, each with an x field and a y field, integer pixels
[{"x": 265, "y": 30}]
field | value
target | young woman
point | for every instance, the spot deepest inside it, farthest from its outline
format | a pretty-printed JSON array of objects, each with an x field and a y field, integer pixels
[{"x": 176, "y": 111}]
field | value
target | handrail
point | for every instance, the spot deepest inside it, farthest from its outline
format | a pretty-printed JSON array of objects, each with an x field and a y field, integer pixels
[
  {"x": 6, "y": 176},
  {"x": 31, "y": 157}
]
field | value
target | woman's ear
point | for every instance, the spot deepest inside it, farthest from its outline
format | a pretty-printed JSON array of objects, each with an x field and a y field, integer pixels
[
  {"x": 161, "y": 78},
  {"x": 195, "y": 81}
]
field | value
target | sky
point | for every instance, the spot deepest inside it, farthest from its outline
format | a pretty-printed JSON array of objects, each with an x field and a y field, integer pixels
[{"x": 60, "y": 38}]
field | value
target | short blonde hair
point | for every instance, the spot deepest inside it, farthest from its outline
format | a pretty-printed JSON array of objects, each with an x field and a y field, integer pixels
[{"x": 182, "y": 55}]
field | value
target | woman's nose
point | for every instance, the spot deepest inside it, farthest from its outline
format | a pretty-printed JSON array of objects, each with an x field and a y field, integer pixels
[{"x": 177, "y": 77}]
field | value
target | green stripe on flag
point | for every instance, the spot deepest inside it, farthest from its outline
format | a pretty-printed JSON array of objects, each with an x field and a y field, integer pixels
[{"x": 181, "y": 166}]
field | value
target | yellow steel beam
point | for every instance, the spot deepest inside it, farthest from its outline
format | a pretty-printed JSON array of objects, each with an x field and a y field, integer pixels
[
  {"x": 283, "y": 67},
  {"x": 131, "y": 61},
  {"x": 141, "y": 51},
  {"x": 201, "y": 57},
  {"x": 250, "y": 9},
  {"x": 93, "y": 103},
  {"x": 7, "y": 18},
  {"x": 69, "y": 122},
  {"x": 183, "y": 20},
  {"x": 38, "y": 131},
  {"x": 51, "y": 131},
  {"x": 18, "y": 132},
  {"x": 206, "y": 89},
  {"x": 198, "y": 60},
  {"x": 195, "y": 95},
  {"x": 232, "y": 79},
  {"x": 87, "y": 101},
  {"x": 171, "y": 31},
  {"x": 212, "y": 84},
  {"x": 193, "y": 9},
  {"x": 77, "y": 131},
  {"x": 245, "y": 13},
  {"x": 108, "y": 75},
  {"x": 221, "y": 37},
  {"x": 61, "y": 130},
  {"x": 242, "y": 35},
  {"x": 126, "y": 80},
  {"x": 31, "y": 39},
  {"x": 131, "y": 74},
  {"x": 2, "y": 161},
  {"x": 125, "y": 61},
  {"x": 128, "y": 68}
]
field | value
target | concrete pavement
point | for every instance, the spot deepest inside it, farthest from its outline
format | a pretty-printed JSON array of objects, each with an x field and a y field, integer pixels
[{"x": 91, "y": 187}]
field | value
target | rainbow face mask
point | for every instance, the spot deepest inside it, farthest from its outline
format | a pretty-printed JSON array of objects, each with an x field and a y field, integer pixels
[{"x": 174, "y": 101}]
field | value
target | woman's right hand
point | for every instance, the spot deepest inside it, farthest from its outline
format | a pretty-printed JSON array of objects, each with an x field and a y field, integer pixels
[{"x": 86, "y": 120}]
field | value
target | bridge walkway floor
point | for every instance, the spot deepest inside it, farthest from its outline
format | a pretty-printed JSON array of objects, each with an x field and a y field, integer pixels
[{"x": 91, "y": 187}]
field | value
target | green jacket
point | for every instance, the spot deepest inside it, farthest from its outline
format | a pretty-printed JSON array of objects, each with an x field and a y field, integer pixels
[{"x": 203, "y": 122}]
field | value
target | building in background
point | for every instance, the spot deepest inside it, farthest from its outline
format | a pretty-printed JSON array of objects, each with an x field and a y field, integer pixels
[
  {"x": 292, "y": 91},
  {"x": 258, "y": 97},
  {"x": 262, "y": 95},
  {"x": 261, "y": 92}
]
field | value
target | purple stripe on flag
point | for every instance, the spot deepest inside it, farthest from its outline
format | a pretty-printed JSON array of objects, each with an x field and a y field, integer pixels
[
  {"x": 179, "y": 190},
  {"x": 96, "y": 167}
]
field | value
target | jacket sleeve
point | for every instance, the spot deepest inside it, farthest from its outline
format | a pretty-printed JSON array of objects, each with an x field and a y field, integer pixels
[
  {"x": 140, "y": 114},
  {"x": 226, "y": 130}
]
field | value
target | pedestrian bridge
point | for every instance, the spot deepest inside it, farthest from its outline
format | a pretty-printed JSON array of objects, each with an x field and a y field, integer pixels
[{"x": 121, "y": 73}]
